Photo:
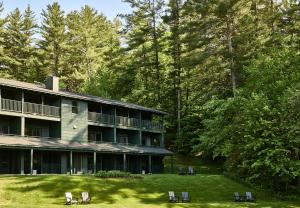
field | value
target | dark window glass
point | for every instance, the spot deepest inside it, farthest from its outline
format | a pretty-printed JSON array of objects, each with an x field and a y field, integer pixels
[
  {"x": 36, "y": 132},
  {"x": 123, "y": 140},
  {"x": 4, "y": 130},
  {"x": 74, "y": 107},
  {"x": 94, "y": 136}
]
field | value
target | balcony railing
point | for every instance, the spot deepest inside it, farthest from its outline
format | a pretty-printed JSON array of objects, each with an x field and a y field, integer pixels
[
  {"x": 124, "y": 121},
  {"x": 30, "y": 108},
  {"x": 39, "y": 109},
  {"x": 28, "y": 136},
  {"x": 101, "y": 118},
  {"x": 128, "y": 122},
  {"x": 151, "y": 125},
  {"x": 11, "y": 105}
]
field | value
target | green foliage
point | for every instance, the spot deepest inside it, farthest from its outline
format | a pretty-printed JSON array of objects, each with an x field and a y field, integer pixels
[
  {"x": 257, "y": 131},
  {"x": 92, "y": 42},
  {"x": 199, "y": 165},
  {"x": 226, "y": 72},
  {"x": 53, "y": 42},
  {"x": 21, "y": 59}
]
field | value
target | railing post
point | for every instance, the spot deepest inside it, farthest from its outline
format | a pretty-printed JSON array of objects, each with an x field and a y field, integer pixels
[
  {"x": 95, "y": 162},
  {"x": 71, "y": 162},
  {"x": 162, "y": 124},
  {"x": 22, "y": 162},
  {"x": 31, "y": 161},
  {"x": 22, "y": 126},
  {"x": 140, "y": 128},
  {"x": 124, "y": 162},
  {"x": 128, "y": 121},
  {"x": 101, "y": 114},
  {"x": 22, "y": 102},
  {"x": 150, "y": 164},
  {"x": 115, "y": 125},
  {"x": 162, "y": 142},
  {"x": 42, "y": 104}
]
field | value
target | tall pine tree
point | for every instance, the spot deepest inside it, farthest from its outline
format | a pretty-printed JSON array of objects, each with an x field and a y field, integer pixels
[
  {"x": 19, "y": 46},
  {"x": 52, "y": 45}
]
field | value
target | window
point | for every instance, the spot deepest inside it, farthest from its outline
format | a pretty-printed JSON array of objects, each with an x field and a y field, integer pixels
[
  {"x": 123, "y": 140},
  {"x": 156, "y": 142},
  {"x": 74, "y": 107},
  {"x": 34, "y": 131},
  {"x": 4, "y": 130},
  {"x": 94, "y": 136}
]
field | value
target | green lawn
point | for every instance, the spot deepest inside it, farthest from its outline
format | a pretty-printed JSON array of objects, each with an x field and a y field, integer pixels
[{"x": 151, "y": 191}]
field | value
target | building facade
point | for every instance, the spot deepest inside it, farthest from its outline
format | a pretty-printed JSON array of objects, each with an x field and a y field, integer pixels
[{"x": 47, "y": 130}]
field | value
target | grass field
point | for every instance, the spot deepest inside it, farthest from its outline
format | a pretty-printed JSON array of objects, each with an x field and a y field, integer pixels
[
  {"x": 206, "y": 191},
  {"x": 199, "y": 165}
]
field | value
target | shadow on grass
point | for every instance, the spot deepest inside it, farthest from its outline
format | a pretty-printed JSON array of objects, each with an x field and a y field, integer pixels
[{"x": 205, "y": 190}]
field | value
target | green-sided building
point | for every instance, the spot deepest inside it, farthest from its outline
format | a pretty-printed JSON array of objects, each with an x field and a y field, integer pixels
[{"x": 46, "y": 130}]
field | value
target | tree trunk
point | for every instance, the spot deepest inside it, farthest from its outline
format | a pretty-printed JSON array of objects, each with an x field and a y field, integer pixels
[
  {"x": 230, "y": 50},
  {"x": 156, "y": 50}
]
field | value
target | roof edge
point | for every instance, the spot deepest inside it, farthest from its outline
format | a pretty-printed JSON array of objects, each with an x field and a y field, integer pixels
[{"x": 64, "y": 93}]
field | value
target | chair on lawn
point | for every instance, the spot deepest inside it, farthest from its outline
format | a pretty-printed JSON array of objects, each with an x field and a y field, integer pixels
[
  {"x": 191, "y": 171},
  {"x": 85, "y": 197},
  {"x": 69, "y": 199},
  {"x": 250, "y": 197},
  {"x": 237, "y": 197},
  {"x": 180, "y": 171},
  {"x": 185, "y": 197},
  {"x": 173, "y": 197}
]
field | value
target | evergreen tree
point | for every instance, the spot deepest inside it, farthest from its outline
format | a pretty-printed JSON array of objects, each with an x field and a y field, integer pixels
[
  {"x": 52, "y": 45},
  {"x": 144, "y": 39},
  {"x": 106, "y": 81},
  {"x": 83, "y": 39},
  {"x": 29, "y": 50},
  {"x": 3, "y": 56},
  {"x": 173, "y": 20},
  {"x": 92, "y": 41},
  {"x": 19, "y": 44}
]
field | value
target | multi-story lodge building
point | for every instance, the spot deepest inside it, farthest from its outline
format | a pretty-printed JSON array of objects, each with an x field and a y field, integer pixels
[{"x": 47, "y": 130}]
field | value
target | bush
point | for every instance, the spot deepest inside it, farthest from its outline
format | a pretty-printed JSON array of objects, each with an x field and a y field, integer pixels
[{"x": 112, "y": 174}]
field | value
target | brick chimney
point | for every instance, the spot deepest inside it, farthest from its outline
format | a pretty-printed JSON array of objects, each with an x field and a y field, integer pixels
[{"x": 52, "y": 83}]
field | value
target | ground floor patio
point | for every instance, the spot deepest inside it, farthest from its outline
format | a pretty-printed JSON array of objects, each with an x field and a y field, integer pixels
[{"x": 45, "y": 161}]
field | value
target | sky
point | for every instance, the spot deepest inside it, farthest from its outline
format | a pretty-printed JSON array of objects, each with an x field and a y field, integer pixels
[{"x": 110, "y": 8}]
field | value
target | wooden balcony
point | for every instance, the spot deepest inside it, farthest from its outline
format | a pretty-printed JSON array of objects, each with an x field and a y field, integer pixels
[
  {"x": 101, "y": 118},
  {"x": 43, "y": 110},
  {"x": 127, "y": 122},
  {"x": 29, "y": 108},
  {"x": 11, "y": 105},
  {"x": 152, "y": 125}
]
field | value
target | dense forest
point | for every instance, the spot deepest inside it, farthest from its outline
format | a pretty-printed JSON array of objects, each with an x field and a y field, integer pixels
[{"x": 227, "y": 72}]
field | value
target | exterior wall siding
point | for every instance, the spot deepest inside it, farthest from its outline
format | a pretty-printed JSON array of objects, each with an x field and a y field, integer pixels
[{"x": 74, "y": 126}]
